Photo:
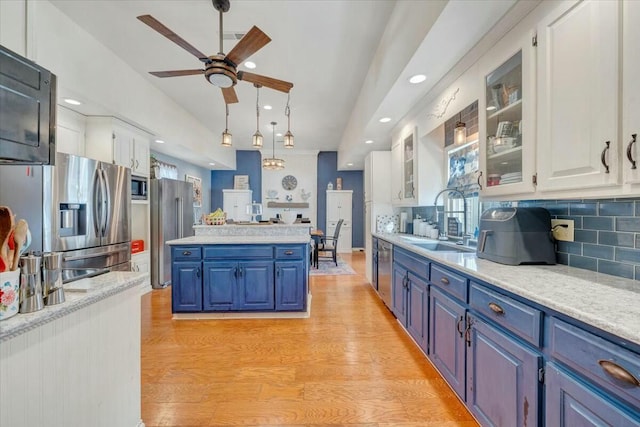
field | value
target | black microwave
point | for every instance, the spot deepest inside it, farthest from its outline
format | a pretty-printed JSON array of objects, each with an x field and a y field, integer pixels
[
  {"x": 27, "y": 111},
  {"x": 138, "y": 188}
]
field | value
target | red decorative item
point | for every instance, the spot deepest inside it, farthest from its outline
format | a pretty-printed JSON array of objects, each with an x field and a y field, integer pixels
[{"x": 137, "y": 246}]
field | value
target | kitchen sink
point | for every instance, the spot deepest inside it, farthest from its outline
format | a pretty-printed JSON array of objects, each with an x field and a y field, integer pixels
[{"x": 440, "y": 247}]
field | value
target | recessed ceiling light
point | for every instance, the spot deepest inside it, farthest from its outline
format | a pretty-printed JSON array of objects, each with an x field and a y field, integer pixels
[
  {"x": 385, "y": 120},
  {"x": 278, "y": 134},
  {"x": 212, "y": 164},
  {"x": 491, "y": 107},
  {"x": 250, "y": 65},
  {"x": 159, "y": 141},
  {"x": 369, "y": 141},
  {"x": 349, "y": 164},
  {"x": 418, "y": 78},
  {"x": 267, "y": 107},
  {"x": 72, "y": 101}
]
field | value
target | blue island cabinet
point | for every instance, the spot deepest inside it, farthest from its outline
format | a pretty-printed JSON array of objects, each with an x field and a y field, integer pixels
[{"x": 240, "y": 278}]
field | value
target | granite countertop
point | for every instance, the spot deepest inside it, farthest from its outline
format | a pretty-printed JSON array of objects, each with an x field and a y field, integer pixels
[
  {"x": 609, "y": 303},
  {"x": 246, "y": 234},
  {"x": 91, "y": 290}
]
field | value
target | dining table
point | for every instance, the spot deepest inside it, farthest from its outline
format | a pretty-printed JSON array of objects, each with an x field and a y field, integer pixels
[{"x": 316, "y": 235}]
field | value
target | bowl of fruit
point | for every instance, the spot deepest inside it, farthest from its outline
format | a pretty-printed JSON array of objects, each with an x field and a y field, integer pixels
[{"x": 219, "y": 217}]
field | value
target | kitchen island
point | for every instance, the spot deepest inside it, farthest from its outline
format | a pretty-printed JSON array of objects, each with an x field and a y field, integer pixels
[
  {"x": 78, "y": 362},
  {"x": 240, "y": 271}
]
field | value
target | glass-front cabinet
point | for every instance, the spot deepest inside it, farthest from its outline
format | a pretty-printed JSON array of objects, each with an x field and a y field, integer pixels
[{"x": 507, "y": 154}]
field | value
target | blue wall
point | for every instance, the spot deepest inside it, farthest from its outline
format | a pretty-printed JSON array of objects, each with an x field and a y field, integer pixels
[
  {"x": 247, "y": 163},
  {"x": 351, "y": 180}
]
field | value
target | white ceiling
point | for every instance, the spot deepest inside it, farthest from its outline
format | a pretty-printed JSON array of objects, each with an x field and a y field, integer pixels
[{"x": 325, "y": 48}]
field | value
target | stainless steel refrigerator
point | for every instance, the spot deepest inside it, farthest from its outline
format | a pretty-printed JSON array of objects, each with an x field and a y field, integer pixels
[
  {"x": 80, "y": 206},
  {"x": 171, "y": 218}
]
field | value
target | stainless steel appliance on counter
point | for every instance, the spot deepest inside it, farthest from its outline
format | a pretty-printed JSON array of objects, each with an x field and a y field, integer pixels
[
  {"x": 171, "y": 218},
  {"x": 80, "y": 207},
  {"x": 385, "y": 269}
]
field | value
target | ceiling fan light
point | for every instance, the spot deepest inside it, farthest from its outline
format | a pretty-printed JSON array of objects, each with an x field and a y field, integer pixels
[
  {"x": 288, "y": 140},
  {"x": 257, "y": 140},
  {"x": 220, "y": 80},
  {"x": 226, "y": 138}
]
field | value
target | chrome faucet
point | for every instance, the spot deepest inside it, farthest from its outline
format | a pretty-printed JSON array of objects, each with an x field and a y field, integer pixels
[{"x": 464, "y": 210}]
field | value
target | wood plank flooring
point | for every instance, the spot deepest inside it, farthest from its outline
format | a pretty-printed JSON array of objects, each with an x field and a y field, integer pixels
[{"x": 350, "y": 364}]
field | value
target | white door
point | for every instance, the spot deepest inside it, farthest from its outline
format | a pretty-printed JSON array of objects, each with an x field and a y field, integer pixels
[{"x": 578, "y": 96}]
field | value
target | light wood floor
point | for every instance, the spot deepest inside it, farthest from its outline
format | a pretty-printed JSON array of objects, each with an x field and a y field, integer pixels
[{"x": 350, "y": 364}]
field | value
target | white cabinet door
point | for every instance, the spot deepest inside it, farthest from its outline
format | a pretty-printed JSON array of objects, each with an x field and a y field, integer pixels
[
  {"x": 631, "y": 92},
  {"x": 506, "y": 113},
  {"x": 344, "y": 239},
  {"x": 141, "y": 155},
  {"x": 377, "y": 186},
  {"x": 123, "y": 147},
  {"x": 140, "y": 262},
  {"x": 396, "y": 174},
  {"x": 70, "y": 132},
  {"x": 234, "y": 203},
  {"x": 578, "y": 93},
  {"x": 339, "y": 205}
]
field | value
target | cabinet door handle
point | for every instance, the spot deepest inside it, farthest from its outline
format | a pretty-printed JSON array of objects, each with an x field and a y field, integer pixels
[
  {"x": 479, "y": 176},
  {"x": 603, "y": 156},
  {"x": 618, "y": 372},
  {"x": 198, "y": 272},
  {"x": 629, "y": 148},
  {"x": 460, "y": 331},
  {"x": 186, "y": 253},
  {"x": 132, "y": 163},
  {"x": 288, "y": 252},
  {"x": 278, "y": 272},
  {"x": 240, "y": 271},
  {"x": 235, "y": 272},
  {"x": 496, "y": 308},
  {"x": 444, "y": 280},
  {"x": 137, "y": 164}
]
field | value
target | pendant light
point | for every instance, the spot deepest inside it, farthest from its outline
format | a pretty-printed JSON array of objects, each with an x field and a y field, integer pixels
[
  {"x": 288, "y": 137},
  {"x": 226, "y": 135},
  {"x": 257, "y": 137},
  {"x": 273, "y": 163},
  {"x": 460, "y": 132}
]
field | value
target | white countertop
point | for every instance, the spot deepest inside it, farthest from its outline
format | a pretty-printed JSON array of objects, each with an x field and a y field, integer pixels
[
  {"x": 91, "y": 291},
  {"x": 609, "y": 303},
  {"x": 246, "y": 234}
]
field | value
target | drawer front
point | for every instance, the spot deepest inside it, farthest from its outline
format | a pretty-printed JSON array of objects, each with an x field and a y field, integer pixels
[
  {"x": 185, "y": 253},
  {"x": 615, "y": 368},
  {"x": 238, "y": 251},
  {"x": 414, "y": 263},
  {"x": 515, "y": 316},
  {"x": 289, "y": 252},
  {"x": 452, "y": 282}
]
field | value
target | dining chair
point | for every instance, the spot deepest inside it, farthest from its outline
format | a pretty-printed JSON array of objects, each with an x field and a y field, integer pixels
[{"x": 330, "y": 244}]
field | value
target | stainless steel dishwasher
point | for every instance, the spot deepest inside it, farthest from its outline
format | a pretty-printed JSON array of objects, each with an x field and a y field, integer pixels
[{"x": 385, "y": 269}]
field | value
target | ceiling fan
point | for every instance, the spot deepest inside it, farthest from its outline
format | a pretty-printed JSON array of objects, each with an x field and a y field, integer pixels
[{"x": 221, "y": 69}]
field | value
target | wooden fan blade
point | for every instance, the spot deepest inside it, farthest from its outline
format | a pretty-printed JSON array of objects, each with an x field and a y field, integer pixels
[
  {"x": 229, "y": 94},
  {"x": 265, "y": 81},
  {"x": 252, "y": 42},
  {"x": 159, "y": 27},
  {"x": 176, "y": 73}
]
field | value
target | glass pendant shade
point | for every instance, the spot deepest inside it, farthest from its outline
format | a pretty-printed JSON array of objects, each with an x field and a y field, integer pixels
[
  {"x": 226, "y": 138},
  {"x": 288, "y": 140},
  {"x": 460, "y": 133},
  {"x": 273, "y": 163},
  {"x": 257, "y": 140}
]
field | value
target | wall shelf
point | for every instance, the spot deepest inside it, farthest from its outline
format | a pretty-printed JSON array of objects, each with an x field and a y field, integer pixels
[{"x": 287, "y": 205}]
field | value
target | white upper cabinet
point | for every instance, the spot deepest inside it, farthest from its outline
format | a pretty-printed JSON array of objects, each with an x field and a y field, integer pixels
[
  {"x": 578, "y": 96},
  {"x": 112, "y": 140},
  {"x": 70, "y": 131},
  {"x": 506, "y": 116},
  {"x": 631, "y": 92},
  {"x": 396, "y": 173},
  {"x": 377, "y": 185}
]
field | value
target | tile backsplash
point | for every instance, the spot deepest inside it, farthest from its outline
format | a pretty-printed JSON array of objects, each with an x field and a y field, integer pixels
[{"x": 607, "y": 234}]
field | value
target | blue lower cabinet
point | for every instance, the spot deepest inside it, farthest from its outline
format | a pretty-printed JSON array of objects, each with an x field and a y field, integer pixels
[
  {"x": 569, "y": 403},
  {"x": 219, "y": 286},
  {"x": 503, "y": 385},
  {"x": 418, "y": 311},
  {"x": 290, "y": 295},
  {"x": 399, "y": 293},
  {"x": 186, "y": 287},
  {"x": 446, "y": 339}
]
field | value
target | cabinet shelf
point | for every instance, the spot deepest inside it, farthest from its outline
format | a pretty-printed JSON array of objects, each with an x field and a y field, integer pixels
[
  {"x": 505, "y": 110},
  {"x": 299, "y": 205},
  {"x": 504, "y": 156}
]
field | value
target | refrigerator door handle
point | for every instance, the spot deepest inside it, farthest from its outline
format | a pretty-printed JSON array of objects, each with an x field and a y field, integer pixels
[
  {"x": 96, "y": 255},
  {"x": 97, "y": 202},
  {"x": 180, "y": 208},
  {"x": 106, "y": 220}
]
